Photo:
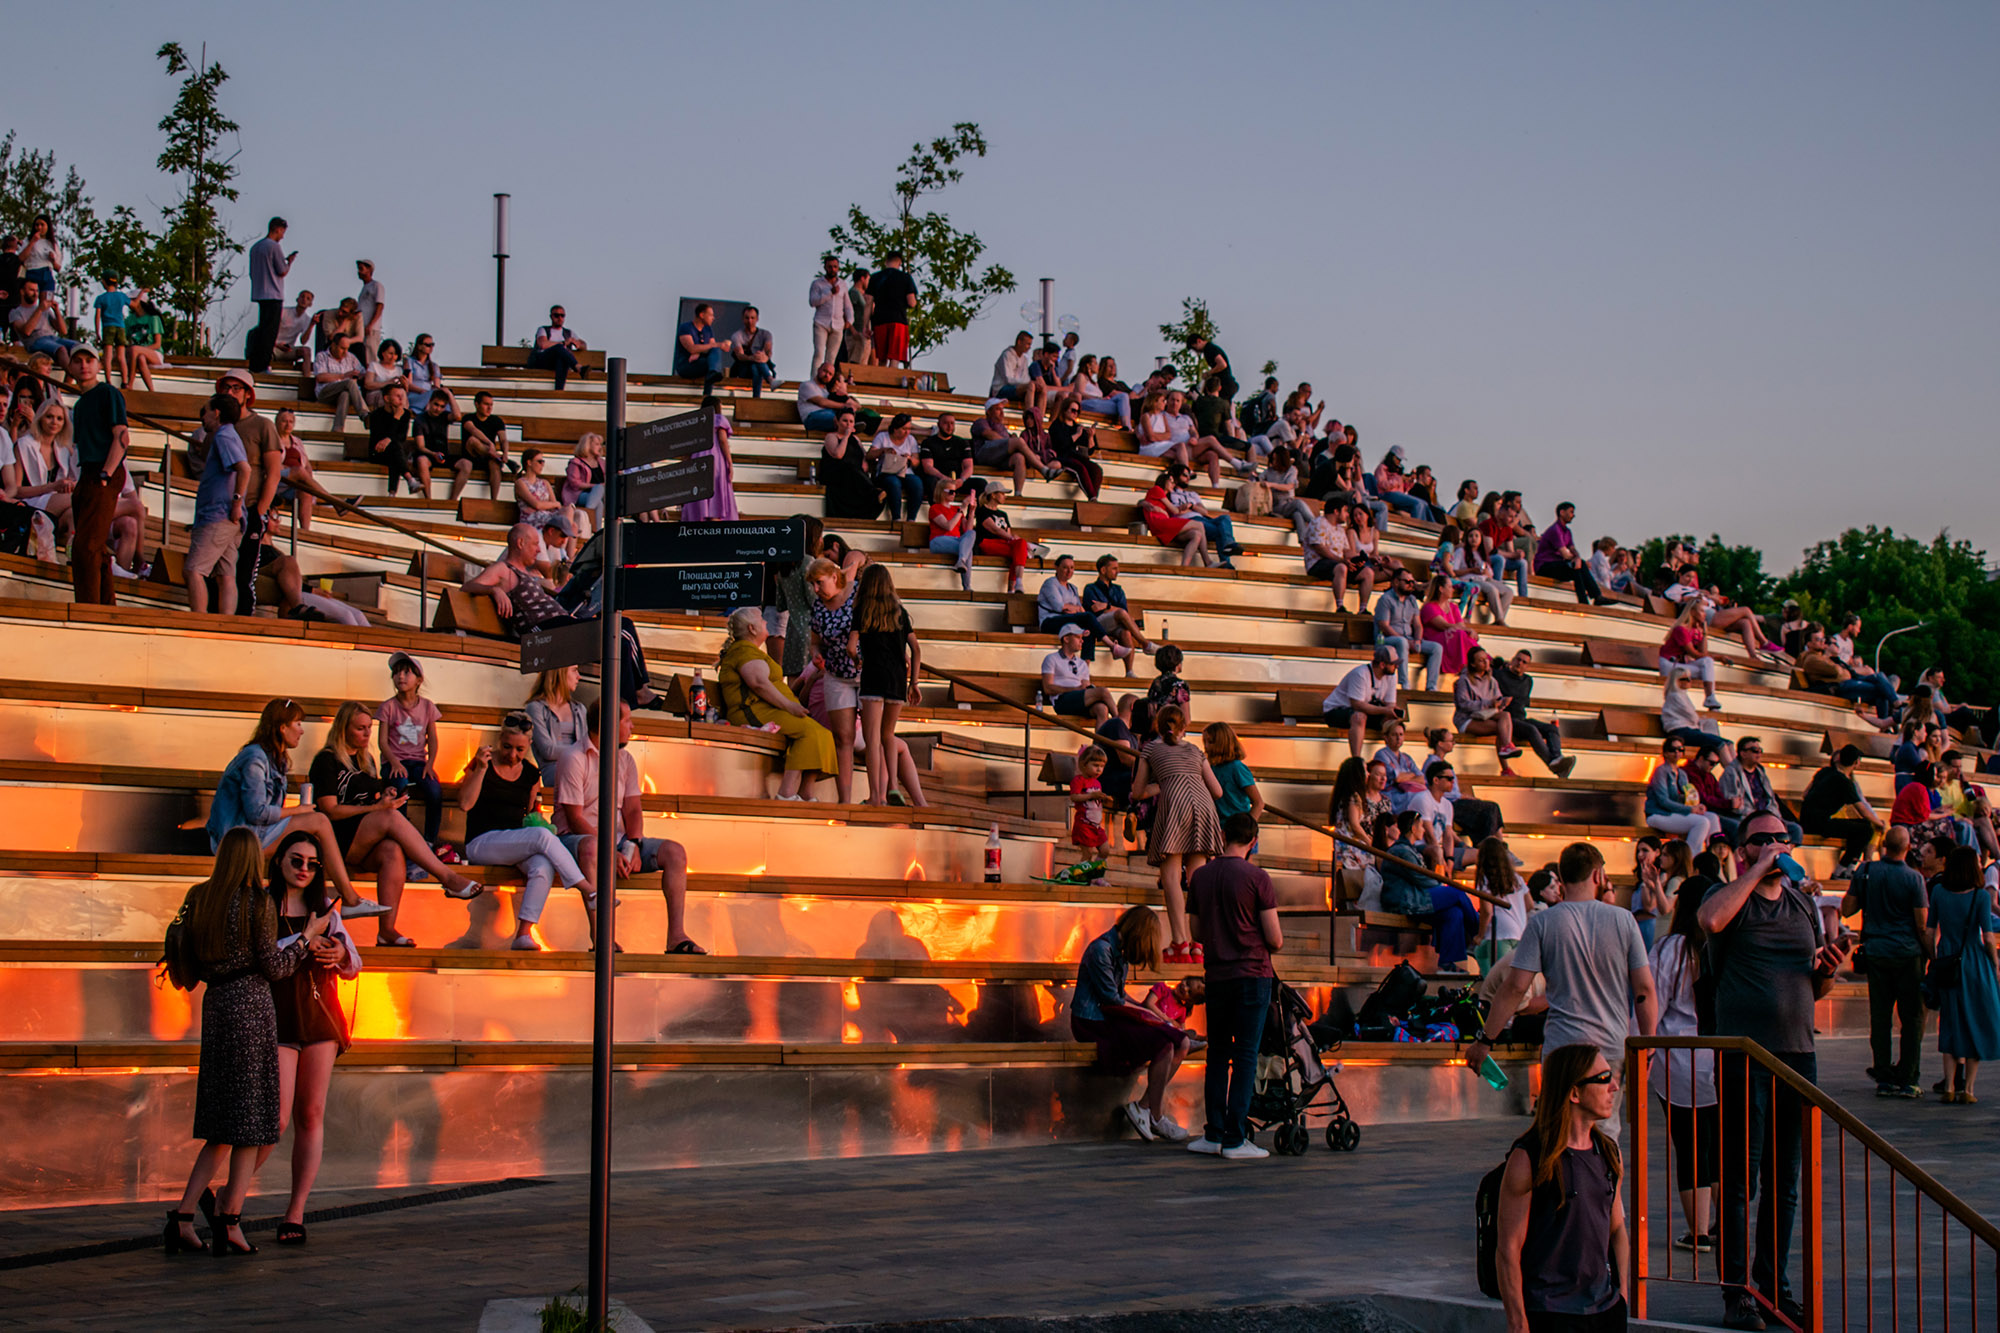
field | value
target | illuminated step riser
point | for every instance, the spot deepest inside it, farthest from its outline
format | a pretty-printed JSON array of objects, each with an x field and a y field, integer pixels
[
  {"x": 116, "y": 909},
  {"x": 107, "y": 1137}
]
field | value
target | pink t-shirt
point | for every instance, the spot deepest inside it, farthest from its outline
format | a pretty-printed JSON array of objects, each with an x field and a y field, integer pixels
[{"x": 407, "y": 729}]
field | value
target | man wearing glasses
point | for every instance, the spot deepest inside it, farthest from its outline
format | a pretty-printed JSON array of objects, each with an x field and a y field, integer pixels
[
  {"x": 1746, "y": 786},
  {"x": 1672, "y": 806},
  {"x": 556, "y": 348},
  {"x": 1771, "y": 960},
  {"x": 1592, "y": 960}
]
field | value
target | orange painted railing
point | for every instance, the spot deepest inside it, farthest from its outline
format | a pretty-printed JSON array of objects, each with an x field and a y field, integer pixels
[{"x": 1876, "y": 1233}]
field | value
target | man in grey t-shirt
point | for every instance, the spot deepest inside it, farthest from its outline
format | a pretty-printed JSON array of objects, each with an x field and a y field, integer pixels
[
  {"x": 1592, "y": 959},
  {"x": 1895, "y": 936}
]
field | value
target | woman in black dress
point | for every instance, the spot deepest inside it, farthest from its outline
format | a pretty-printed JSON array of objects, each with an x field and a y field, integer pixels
[
  {"x": 232, "y": 928},
  {"x": 843, "y": 472},
  {"x": 312, "y": 1030}
]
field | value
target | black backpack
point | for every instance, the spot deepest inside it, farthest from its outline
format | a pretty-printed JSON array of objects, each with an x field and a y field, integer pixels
[
  {"x": 1486, "y": 1216},
  {"x": 178, "y": 963}
]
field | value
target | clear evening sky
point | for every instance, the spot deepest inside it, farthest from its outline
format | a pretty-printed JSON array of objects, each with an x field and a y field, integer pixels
[{"x": 1697, "y": 266}]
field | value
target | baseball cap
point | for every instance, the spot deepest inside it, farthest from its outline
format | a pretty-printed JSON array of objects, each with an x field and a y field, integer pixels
[
  {"x": 1067, "y": 630},
  {"x": 398, "y": 661}
]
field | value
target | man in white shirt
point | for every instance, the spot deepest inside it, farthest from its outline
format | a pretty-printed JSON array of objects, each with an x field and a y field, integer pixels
[
  {"x": 337, "y": 381},
  {"x": 828, "y": 298},
  {"x": 1066, "y": 680},
  {"x": 1010, "y": 372},
  {"x": 294, "y": 327},
  {"x": 1434, "y": 811},
  {"x": 1365, "y": 692},
  {"x": 576, "y": 783},
  {"x": 556, "y": 348},
  {"x": 372, "y": 304}
]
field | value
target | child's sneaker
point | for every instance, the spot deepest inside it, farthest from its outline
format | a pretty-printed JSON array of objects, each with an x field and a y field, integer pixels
[
  {"x": 1141, "y": 1119},
  {"x": 1174, "y": 953},
  {"x": 1192, "y": 953},
  {"x": 1167, "y": 1128}
]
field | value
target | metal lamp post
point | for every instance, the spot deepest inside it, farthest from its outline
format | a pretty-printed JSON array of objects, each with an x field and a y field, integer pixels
[{"x": 500, "y": 202}]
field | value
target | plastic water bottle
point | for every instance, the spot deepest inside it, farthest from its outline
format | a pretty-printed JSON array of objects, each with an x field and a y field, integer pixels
[
  {"x": 993, "y": 855},
  {"x": 698, "y": 698},
  {"x": 1495, "y": 1076}
]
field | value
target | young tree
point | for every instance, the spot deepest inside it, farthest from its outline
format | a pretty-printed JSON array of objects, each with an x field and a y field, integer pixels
[
  {"x": 1195, "y": 322},
  {"x": 196, "y": 246},
  {"x": 942, "y": 260},
  {"x": 1737, "y": 570}
]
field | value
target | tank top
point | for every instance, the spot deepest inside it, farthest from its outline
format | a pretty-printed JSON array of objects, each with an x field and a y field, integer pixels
[
  {"x": 502, "y": 803},
  {"x": 1566, "y": 1264}
]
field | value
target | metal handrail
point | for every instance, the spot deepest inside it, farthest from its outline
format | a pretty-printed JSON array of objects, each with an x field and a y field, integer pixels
[
  {"x": 1311, "y": 825},
  {"x": 1846, "y": 1119}
]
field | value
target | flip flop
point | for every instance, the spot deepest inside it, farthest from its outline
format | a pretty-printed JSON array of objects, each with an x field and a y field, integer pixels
[{"x": 687, "y": 946}]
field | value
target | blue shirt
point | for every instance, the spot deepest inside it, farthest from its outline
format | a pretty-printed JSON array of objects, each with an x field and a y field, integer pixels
[
  {"x": 114, "y": 305},
  {"x": 1099, "y": 596},
  {"x": 218, "y": 477},
  {"x": 251, "y": 794},
  {"x": 1100, "y": 979},
  {"x": 1236, "y": 780}
]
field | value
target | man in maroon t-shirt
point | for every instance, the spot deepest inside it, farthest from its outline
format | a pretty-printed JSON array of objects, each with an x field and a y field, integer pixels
[{"x": 1236, "y": 922}]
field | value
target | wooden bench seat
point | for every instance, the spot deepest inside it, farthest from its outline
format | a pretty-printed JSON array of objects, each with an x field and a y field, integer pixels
[
  {"x": 1090, "y": 514},
  {"x": 517, "y": 358}
]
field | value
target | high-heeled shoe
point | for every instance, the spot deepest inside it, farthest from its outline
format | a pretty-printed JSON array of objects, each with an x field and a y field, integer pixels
[
  {"x": 220, "y": 1243},
  {"x": 207, "y": 1205},
  {"x": 172, "y": 1239}
]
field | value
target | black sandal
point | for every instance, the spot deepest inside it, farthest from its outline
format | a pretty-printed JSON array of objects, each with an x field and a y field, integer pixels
[
  {"x": 687, "y": 946},
  {"x": 172, "y": 1239},
  {"x": 220, "y": 1243},
  {"x": 291, "y": 1233}
]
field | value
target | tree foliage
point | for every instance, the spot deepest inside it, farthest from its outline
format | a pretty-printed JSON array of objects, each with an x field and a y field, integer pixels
[
  {"x": 1737, "y": 570},
  {"x": 31, "y": 186},
  {"x": 943, "y": 261},
  {"x": 196, "y": 246},
  {"x": 1892, "y": 581},
  {"x": 1195, "y": 322}
]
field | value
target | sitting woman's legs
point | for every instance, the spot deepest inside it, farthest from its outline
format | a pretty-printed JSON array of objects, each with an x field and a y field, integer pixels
[{"x": 1453, "y": 923}]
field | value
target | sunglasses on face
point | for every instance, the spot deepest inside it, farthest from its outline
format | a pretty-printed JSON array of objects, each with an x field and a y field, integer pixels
[
  {"x": 302, "y": 862},
  {"x": 1765, "y": 839},
  {"x": 1597, "y": 1080}
]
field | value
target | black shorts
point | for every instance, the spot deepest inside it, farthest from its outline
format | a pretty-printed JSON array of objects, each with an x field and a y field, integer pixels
[
  {"x": 1070, "y": 704},
  {"x": 1340, "y": 719},
  {"x": 1324, "y": 569}
]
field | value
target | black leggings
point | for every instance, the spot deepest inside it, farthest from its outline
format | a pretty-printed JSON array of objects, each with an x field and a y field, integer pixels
[{"x": 1696, "y": 1134}]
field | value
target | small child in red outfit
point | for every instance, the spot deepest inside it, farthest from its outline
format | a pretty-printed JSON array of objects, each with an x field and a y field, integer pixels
[
  {"x": 1089, "y": 831},
  {"x": 1174, "y": 1003}
]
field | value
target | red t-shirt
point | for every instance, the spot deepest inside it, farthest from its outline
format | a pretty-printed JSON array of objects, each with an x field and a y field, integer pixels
[
  {"x": 1685, "y": 641},
  {"x": 1225, "y": 897},
  {"x": 1913, "y": 805},
  {"x": 945, "y": 520}
]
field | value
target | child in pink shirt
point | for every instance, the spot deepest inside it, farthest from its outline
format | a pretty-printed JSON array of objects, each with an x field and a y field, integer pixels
[{"x": 409, "y": 741}]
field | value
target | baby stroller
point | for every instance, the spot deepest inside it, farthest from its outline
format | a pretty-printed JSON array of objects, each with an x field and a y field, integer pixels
[{"x": 1290, "y": 1078}]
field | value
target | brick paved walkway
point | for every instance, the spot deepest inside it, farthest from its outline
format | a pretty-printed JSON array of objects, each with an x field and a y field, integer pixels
[{"x": 1075, "y": 1229}]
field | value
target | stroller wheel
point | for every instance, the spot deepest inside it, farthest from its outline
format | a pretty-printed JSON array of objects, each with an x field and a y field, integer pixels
[
  {"x": 1292, "y": 1139},
  {"x": 1343, "y": 1135}
]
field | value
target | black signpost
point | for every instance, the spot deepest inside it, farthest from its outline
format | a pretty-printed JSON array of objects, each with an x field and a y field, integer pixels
[
  {"x": 559, "y": 646},
  {"x": 766, "y": 541},
  {"x": 652, "y": 442}
]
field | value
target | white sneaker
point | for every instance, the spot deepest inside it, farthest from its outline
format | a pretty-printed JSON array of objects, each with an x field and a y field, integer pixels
[
  {"x": 1141, "y": 1119},
  {"x": 1169, "y": 1129},
  {"x": 363, "y": 907},
  {"x": 1206, "y": 1146},
  {"x": 1712, "y": 704},
  {"x": 1245, "y": 1151},
  {"x": 1039, "y": 550}
]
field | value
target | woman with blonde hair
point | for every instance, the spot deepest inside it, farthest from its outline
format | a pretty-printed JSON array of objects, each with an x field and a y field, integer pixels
[
  {"x": 231, "y": 943},
  {"x": 1129, "y": 1035},
  {"x": 891, "y": 665},
  {"x": 1186, "y": 831},
  {"x": 754, "y": 694},
  {"x": 583, "y": 482},
  {"x": 557, "y": 714},
  {"x": 369, "y": 827}
]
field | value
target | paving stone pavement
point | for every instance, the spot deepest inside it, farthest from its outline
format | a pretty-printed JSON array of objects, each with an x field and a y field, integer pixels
[{"x": 1079, "y": 1229}]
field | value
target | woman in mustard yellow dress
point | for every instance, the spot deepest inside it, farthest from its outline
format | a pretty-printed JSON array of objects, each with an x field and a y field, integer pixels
[{"x": 754, "y": 694}]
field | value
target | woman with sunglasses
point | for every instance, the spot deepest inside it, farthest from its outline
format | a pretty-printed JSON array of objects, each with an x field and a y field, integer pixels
[
  {"x": 1075, "y": 446},
  {"x": 1562, "y": 1255},
  {"x": 424, "y": 377},
  {"x": 312, "y": 1030},
  {"x": 386, "y": 370},
  {"x": 501, "y": 789},
  {"x": 1672, "y": 807}
]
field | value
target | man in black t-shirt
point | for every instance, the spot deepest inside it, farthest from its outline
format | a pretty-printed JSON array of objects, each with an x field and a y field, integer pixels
[
  {"x": 1235, "y": 910},
  {"x": 895, "y": 297},
  {"x": 1832, "y": 790},
  {"x": 430, "y": 436},
  {"x": 1217, "y": 361},
  {"x": 947, "y": 456},
  {"x": 482, "y": 437}
]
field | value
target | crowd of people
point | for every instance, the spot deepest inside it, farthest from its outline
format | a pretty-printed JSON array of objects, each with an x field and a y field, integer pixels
[{"x": 829, "y": 660}]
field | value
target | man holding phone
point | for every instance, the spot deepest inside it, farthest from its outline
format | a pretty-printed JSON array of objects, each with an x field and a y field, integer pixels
[
  {"x": 268, "y": 266},
  {"x": 1771, "y": 960}
]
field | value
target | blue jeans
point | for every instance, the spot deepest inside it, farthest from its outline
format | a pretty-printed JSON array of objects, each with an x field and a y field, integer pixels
[
  {"x": 909, "y": 486},
  {"x": 710, "y": 365},
  {"x": 759, "y": 373},
  {"x": 1118, "y": 405},
  {"x": 1874, "y": 688},
  {"x": 946, "y": 546},
  {"x": 1237, "y": 1007},
  {"x": 1517, "y": 565},
  {"x": 1432, "y": 654},
  {"x": 1454, "y": 922},
  {"x": 1221, "y": 533},
  {"x": 1760, "y": 1137},
  {"x": 820, "y": 419},
  {"x": 50, "y": 345},
  {"x": 1409, "y": 504},
  {"x": 422, "y": 784},
  {"x": 556, "y": 357}
]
